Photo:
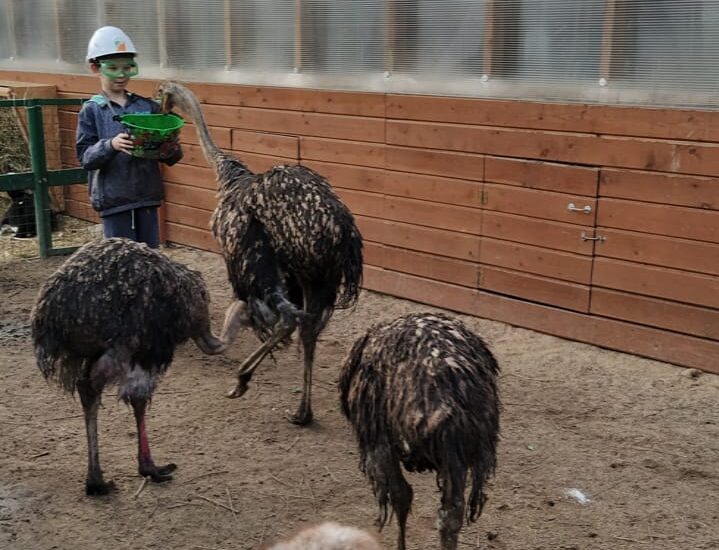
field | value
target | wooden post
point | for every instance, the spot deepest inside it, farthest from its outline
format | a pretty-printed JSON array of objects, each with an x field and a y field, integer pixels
[
  {"x": 389, "y": 35},
  {"x": 298, "y": 35},
  {"x": 605, "y": 61},
  {"x": 489, "y": 38},
  {"x": 58, "y": 32},
  {"x": 161, "y": 11},
  {"x": 228, "y": 35},
  {"x": 11, "y": 28}
]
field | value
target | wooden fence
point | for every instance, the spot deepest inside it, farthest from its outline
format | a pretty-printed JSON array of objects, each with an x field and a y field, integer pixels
[{"x": 590, "y": 222}]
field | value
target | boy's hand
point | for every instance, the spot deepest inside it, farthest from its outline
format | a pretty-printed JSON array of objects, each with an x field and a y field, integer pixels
[{"x": 122, "y": 142}]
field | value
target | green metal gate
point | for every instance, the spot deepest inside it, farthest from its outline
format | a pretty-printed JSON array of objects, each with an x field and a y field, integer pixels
[{"x": 40, "y": 178}]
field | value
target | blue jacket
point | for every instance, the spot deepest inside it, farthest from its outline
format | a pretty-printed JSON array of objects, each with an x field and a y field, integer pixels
[{"x": 118, "y": 181}]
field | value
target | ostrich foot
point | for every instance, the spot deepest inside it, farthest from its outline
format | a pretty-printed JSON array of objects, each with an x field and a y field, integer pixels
[
  {"x": 301, "y": 418},
  {"x": 158, "y": 474},
  {"x": 98, "y": 487},
  {"x": 239, "y": 390}
]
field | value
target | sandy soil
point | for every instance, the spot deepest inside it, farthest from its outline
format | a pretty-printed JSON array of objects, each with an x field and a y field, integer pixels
[{"x": 638, "y": 438}]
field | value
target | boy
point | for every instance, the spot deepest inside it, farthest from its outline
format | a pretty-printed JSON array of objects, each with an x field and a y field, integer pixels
[{"x": 125, "y": 190}]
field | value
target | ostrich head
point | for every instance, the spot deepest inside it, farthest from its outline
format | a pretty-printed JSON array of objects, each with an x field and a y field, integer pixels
[{"x": 171, "y": 95}]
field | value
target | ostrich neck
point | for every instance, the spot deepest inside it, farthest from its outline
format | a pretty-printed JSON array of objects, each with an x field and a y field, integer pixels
[{"x": 211, "y": 151}]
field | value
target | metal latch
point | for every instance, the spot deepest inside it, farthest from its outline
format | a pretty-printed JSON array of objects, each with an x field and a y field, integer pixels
[
  {"x": 572, "y": 208},
  {"x": 586, "y": 237}
]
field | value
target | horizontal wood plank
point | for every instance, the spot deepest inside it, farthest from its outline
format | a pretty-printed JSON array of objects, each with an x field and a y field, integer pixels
[
  {"x": 672, "y": 284},
  {"x": 190, "y": 236},
  {"x": 420, "y": 239},
  {"x": 659, "y": 219},
  {"x": 187, "y": 215},
  {"x": 439, "y": 163},
  {"x": 188, "y": 195},
  {"x": 534, "y": 231},
  {"x": 539, "y": 204},
  {"x": 562, "y": 178},
  {"x": 692, "y": 191},
  {"x": 669, "y": 123},
  {"x": 296, "y": 123},
  {"x": 693, "y": 320},
  {"x": 451, "y": 270},
  {"x": 534, "y": 288},
  {"x": 264, "y": 143},
  {"x": 433, "y": 214},
  {"x": 342, "y": 151},
  {"x": 578, "y": 148},
  {"x": 661, "y": 251},
  {"x": 296, "y": 99},
  {"x": 546, "y": 262}
]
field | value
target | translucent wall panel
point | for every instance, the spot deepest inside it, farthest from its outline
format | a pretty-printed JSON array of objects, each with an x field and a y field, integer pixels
[
  {"x": 547, "y": 39},
  {"x": 195, "y": 34},
  {"x": 36, "y": 30},
  {"x": 665, "y": 43},
  {"x": 7, "y": 32},
  {"x": 143, "y": 21},
  {"x": 652, "y": 52},
  {"x": 78, "y": 20},
  {"x": 444, "y": 37},
  {"x": 342, "y": 36},
  {"x": 263, "y": 35}
]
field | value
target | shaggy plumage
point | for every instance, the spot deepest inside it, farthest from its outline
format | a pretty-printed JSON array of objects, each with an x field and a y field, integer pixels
[
  {"x": 113, "y": 313},
  {"x": 421, "y": 391},
  {"x": 292, "y": 249}
]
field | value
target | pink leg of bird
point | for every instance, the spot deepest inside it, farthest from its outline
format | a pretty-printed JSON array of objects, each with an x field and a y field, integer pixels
[{"x": 144, "y": 458}]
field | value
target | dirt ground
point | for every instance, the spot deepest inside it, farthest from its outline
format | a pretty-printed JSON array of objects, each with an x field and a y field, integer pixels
[{"x": 638, "y": 438}]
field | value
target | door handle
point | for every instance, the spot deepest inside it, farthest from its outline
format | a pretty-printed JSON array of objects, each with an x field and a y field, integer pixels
[
  {"x": 600, "y": 238},
  {"x": 572, "y": 208}
]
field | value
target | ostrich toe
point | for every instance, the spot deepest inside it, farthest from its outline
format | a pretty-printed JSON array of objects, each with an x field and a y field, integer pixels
[
  {"x": 158, "y": 474},
  {"x": 238, "y": 391},
  {"x": 301, "y": 418},
  {"x": 99, "y": 488}
]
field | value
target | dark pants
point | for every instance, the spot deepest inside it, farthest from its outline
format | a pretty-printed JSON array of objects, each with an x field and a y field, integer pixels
[{"x": 140, "y": 225}]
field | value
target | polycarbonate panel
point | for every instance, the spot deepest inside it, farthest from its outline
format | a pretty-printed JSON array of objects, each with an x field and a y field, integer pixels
[
  {"x": 263, "y": 35},
  {"x": 342, "y": 36},
  {"x": 547, "y": 39},
  {"x": 7, "y": 30},
  {"x": 444, "y": 37},
  {"x": 667, "y": 44},
  {"x": 36, "y": 30},
  {"x": 143, "y": 21},
  {"x": 650, "y": 52},
  {"x": 195, "y": 34},
  {"x": 78, "y": 20}
]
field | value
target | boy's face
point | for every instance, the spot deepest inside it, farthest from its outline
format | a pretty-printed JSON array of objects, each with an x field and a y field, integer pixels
[{"x": 115, "y": 73}]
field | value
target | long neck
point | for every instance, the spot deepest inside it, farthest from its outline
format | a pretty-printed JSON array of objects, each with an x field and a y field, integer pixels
[{"x": 212, "y": 153}]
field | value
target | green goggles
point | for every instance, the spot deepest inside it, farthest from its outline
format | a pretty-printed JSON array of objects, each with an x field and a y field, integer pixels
[{"x": 119, "y": 68}]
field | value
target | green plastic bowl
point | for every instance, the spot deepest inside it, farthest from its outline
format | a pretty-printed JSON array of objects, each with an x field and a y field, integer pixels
[{"x": 154, "y": 136}]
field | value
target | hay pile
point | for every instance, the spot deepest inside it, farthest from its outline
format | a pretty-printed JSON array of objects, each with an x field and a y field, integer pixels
[
  {"x": 15, "y": 157},
  {"x": 14, "y": 152}
]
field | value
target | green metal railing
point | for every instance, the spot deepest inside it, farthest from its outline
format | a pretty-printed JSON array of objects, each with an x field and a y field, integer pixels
[{"x": 40, "y": 179}]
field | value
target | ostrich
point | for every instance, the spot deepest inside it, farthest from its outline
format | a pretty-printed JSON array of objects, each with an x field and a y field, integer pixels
[
  {"x": 114, "y": 313},
  {"x": 292, "y": 249},
  {"x": 421, "y": 390},
  {"x": 329, "y": 536}
]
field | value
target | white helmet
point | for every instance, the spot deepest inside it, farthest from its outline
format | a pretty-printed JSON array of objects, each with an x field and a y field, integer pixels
[{"x": 109, "y": 41}]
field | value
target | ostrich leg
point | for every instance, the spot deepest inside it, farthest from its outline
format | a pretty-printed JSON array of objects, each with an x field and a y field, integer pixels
[
  {"x": 452, "y": 480},
  {"x": 146, "y": 465},
  {"x": 308, "y": 335},
  {"x": 385, "y": 473},
  {"x": 248, "y": 366},
  {"x": 90, "y": 399}
]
